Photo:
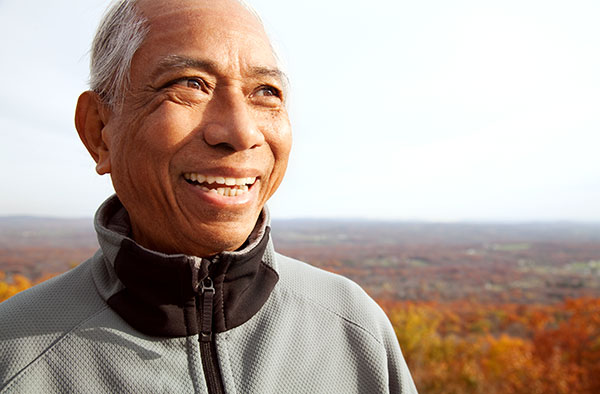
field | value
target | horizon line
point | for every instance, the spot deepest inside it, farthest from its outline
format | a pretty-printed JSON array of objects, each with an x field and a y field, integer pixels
[{"x": 349, "y": 219}]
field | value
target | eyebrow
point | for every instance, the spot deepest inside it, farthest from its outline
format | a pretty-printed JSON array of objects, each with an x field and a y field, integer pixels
[
  {"x": 271, "y": 72},
  {"x": 181, "y": 62}
]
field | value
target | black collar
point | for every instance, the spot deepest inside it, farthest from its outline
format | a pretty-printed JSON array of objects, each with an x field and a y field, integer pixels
[{"x": 161, "y": 292}]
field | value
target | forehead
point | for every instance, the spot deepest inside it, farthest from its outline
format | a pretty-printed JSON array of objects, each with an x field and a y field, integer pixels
[{"x": 220, "y": 30}]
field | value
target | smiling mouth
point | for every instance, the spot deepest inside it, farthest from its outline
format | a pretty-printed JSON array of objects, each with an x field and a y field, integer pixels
[{"x": 224, "y": 186}]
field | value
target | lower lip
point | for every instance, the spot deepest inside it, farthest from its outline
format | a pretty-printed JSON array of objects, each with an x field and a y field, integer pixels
[{"x": 224, "y": 201}]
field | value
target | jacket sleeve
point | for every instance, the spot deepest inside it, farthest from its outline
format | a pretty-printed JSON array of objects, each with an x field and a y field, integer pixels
[{"x": 400, "y": 380}]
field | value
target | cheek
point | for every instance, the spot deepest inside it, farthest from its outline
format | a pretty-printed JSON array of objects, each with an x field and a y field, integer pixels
[
  {"x": 145, "y": 146},
  {"x": 168, "y": 128},
  {"x": 157, "y": 136},
  {"x": 282, "y": 144}
]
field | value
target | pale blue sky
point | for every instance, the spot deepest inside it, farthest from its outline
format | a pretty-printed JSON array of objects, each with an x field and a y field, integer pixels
[{"x": 432, "y": 110}]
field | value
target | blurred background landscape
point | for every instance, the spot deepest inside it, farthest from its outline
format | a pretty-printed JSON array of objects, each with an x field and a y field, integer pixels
[{"x": 477, "y": 307}]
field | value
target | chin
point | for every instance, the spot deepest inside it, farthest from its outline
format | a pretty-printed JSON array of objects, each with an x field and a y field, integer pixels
[{"x": 222, "y": 237}]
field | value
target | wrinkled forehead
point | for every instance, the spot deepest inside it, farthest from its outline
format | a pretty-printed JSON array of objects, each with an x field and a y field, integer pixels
[
  {"x": 165, "y": 14},
  {"x": 225, "y": 23}
]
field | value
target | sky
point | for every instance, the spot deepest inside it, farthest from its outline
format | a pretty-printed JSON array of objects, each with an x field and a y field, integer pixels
[{"x": 401, "y": 110}]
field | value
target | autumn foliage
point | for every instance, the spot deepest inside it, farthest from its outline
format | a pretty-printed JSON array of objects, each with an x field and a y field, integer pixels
[
  {"x": 469, "y": 347},
  {"x": 17, "y": 283}
]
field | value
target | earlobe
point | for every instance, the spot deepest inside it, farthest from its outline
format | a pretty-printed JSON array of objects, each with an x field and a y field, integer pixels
[{"x": 90, "y": 122}]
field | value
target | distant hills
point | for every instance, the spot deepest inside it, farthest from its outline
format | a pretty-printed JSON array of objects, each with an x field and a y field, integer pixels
[
  {"x": 32, "y": 230},
  {"x": 39, "y": 231}
]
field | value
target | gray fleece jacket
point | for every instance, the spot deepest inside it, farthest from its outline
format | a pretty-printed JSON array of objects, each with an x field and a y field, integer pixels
[{"x": 130, "y": 320}]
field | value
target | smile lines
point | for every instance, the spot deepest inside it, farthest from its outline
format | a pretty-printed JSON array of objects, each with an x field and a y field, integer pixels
[{"x": 224, "y": 186}]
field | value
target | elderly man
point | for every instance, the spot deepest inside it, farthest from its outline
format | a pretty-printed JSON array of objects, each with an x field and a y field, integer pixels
[{"x": 186, "y": 294}]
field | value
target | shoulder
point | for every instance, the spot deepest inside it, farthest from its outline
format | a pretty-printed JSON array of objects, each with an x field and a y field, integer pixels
[
  {"x": 336, "y": 318},
  {"x": 333, "y": 293},
  {"x": 55, "y": 303},
  {"x": 34, "y": 320}
]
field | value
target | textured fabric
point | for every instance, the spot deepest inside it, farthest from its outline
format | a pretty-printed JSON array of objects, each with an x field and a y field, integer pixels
[
  {"x": 316, "y": 333},
  {"x": 334, "y": 334},
  {"x": 61, "y": 337}
]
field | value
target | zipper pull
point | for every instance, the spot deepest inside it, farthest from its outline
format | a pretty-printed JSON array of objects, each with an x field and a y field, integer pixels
[{"x": 208, "y": 293}]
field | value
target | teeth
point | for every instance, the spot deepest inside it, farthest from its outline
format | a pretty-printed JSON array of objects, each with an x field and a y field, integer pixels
[
  {"x": 220, "y": 180},
  {"x": 227, "y": 191},
  {"x": 232, "y": 187}
]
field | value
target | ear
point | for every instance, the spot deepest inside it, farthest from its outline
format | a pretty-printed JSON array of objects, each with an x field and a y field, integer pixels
[{"x": 91, "y": 116}]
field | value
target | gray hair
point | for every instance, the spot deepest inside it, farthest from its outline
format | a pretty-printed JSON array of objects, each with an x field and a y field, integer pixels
[{"x": 120, "y": 34}]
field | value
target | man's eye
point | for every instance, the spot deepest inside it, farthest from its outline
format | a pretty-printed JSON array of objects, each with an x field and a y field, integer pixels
[
  {"x": 267, "y": 91},
  {"x": 192, "y": 83}
]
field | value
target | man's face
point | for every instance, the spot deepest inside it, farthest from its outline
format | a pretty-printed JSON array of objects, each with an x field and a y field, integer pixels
[{"x": 205, "y": 104}]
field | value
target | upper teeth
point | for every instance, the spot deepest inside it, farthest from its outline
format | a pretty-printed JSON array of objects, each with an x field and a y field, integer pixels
[{"x": 219, "y": 179}]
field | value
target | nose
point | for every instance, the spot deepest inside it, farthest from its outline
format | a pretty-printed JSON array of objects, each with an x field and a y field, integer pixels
[{"x": 231, "y": 123}]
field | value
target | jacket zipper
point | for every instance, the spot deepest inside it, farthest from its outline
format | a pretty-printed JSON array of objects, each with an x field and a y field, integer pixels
[{"x": 208, "y": 351}]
